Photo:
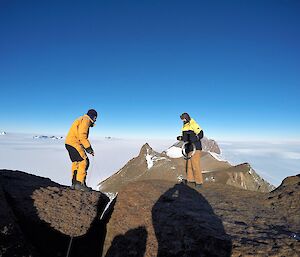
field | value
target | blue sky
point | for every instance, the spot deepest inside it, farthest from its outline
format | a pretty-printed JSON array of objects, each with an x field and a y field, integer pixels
[{"x": 233, "y": 65}]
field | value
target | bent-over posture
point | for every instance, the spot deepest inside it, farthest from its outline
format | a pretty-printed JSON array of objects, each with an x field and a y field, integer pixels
[{"x": 77, "y": 144}]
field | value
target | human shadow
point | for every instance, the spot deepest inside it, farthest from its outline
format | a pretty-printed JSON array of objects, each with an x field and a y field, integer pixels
[
  {"x": 39, "y": 237},
  {"x": 131, "y": 244},
  {"x": 91, "y": 243},
  {"x": 186, "y": 226}
]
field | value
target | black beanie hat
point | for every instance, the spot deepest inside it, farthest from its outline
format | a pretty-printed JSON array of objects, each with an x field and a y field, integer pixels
[
  {"x": 185, "y": 116},
  {"x": 92, "y": 113}
]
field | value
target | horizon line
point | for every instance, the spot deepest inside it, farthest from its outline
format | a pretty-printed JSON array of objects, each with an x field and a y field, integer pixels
[{"x": 218, "y": 139}]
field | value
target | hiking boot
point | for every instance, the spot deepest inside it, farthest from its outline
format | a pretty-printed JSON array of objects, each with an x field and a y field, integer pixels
[
  {"x": 73, "y": 185},
  {"x": 190, "y": 184},
  {"x": 74, "y": 181},
  {"x": 198, "y": 186},
  {"x": 82, "y": 187}
]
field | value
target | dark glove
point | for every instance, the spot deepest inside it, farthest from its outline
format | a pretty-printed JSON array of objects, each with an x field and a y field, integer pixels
[
  {"x": 179, "y": 138},
  {"x": 90, "y": 150},
  {"x": 201, "y": 134}
]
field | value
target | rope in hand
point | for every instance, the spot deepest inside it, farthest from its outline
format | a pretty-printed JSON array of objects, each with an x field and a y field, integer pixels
[{"x": 186, "y": 155}]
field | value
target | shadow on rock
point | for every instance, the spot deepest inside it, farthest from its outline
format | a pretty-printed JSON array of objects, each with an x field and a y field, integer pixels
[
  {"x": 45, "y": 215},
  {"x": 131, "y": 244},
  {"x": 186, "y": 226},
  {"x": 157, "y": 218}
]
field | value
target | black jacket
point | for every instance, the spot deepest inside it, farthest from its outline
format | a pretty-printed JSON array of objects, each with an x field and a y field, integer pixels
[{"x": 190, "y": 136}]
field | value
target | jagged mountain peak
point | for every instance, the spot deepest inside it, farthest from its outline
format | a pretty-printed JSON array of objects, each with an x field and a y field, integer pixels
[
  {"x": 210, "y": 145},
  {"x": 146, "y": 148},
  {"x": 150, "y": 164}
]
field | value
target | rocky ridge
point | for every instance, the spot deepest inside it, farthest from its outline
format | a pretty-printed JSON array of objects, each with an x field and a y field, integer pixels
[
  {"x": 149, "y": 165},
  {"x": 208, "y": 145},
  {"x": 38, "y": 217},
  {"x": 160, "y": 218}
]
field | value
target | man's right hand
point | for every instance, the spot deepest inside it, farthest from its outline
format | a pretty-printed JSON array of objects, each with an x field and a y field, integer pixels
[
  {"x": 179, "y": 138},
  {"x": 90, "y": 151}
]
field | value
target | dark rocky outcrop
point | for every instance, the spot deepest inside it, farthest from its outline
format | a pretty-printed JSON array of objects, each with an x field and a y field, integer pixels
[
  {"x": 164, "y": 220},
  {"x": 148, "y": 218},
  {"x": 255, "y": 227},
  {"x": 167, "y": 219},
  {"x": 285, "y": 201},
  {"x": 12, "y": 240},
  {"x": 42, "y": 216}
]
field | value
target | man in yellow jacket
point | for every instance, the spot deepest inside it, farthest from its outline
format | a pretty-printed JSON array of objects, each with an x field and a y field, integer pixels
[
  {"x": 192, "y": 133},
  {"x": 77, "y": 144}
]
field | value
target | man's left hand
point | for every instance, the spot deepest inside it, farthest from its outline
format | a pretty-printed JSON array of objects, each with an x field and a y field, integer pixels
[
  {"x": 179, "y": 138},
  {"x": 90, "y": 151}
]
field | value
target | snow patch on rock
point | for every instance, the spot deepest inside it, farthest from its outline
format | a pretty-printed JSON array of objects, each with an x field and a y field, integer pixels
[
  {"x": 218, "y": 157},
  {"x": 180, "y": 178},
  {"x": 174, "y": 152},
  {"x": 111, "y": 197},
  {"x": 210, "y": 179},
  {"x": 149, "y": 160}
]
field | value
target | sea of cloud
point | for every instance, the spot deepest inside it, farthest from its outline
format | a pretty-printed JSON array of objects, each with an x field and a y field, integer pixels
[
  {"x": 272, "y": 160},
  {"x": 48, "y": 157}
]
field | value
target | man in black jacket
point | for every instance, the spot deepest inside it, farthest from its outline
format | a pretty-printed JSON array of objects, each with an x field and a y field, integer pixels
[{"x": 192, "y": 133}]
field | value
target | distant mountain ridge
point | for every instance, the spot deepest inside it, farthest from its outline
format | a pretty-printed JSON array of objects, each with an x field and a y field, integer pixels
[
  {"x": 208, "y": 145},
  {"x": 149, "y": 165},
  {"x": 48, "y": 137}
]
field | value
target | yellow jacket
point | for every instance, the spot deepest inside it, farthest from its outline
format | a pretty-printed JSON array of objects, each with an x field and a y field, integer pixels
[
  {"x": 79, "y": 132},
  {"x": 193, "y": 126}
]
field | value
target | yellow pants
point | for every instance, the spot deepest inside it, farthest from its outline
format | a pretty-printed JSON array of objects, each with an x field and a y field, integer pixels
[
  {"x": 80, "y": 162},
  {"x": 194, "y": 173},
  {"x": 79, "y": 170}
]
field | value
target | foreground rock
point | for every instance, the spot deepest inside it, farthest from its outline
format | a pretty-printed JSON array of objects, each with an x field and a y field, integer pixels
[
  {"x": 39, "y": 216},
  {"x": 156, "y": 218},
  {"x": 160, "y": 218},
  {"x": 12, "y": 240},
  {"x": 285, "y": 201},
  {"x": 255, "y": 226},
  {"x": 149, "y": 218}
]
